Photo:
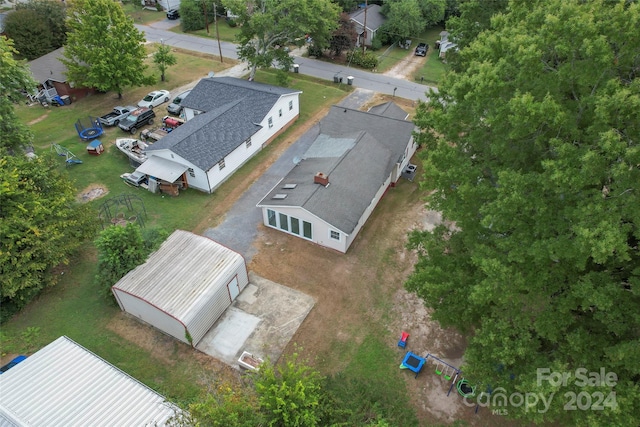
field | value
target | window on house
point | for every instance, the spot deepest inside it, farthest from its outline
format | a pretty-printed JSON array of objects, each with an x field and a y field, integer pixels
[
  {"x": 306, "y": 229},
  {"x": 280, "y": 112},
  {"x": 270, "y": 122},
  {"x": 284, "y": 223},
  {"x": 334, "y": 235},
  {"x": 221, "y": 164},
  {"x": 192, "y": 173},
  {"x": 295, "y": 226},
  {"x": 247, "y": 143},
  {"x": 271, "y": 218},
  {"x": 290, "y": 105}
]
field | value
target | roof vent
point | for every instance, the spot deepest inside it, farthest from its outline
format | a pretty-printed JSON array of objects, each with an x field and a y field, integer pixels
[{"x": 321, "y": 179}]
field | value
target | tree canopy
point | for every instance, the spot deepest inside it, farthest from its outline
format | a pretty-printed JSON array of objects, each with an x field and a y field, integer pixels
[
  {"x": 104, "y": 49},
  {"x": 269, "y": 27},
  {"x": 41, "y": 226},
  {"x": 532, "y": 151},
  {"x": 37, "y": 27},
  {"x": 15, "y": 79}
]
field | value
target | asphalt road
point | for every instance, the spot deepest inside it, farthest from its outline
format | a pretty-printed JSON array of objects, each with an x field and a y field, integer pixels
[{"x": 158, "y": 32}]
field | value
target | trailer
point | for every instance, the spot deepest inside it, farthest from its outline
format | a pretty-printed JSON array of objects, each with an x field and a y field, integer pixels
[{"x": 168, "y": 125}]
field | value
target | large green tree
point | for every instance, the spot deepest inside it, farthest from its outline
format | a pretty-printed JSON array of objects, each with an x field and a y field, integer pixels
[
  {"x": 104, "y": 49},
  {"x": 15, "y": 79},
  {"x": 41, "y": 226},
  {"x": 269, "y": 27},
  {"x": 533, "y": 153},
  {"x": 37, "y": 27},
  {"x": 404, "y": 20}
]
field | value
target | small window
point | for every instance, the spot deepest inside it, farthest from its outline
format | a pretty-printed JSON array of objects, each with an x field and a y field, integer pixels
[
  {"x": 279, "y": 196},
  {"x": 295, "y": 226},
  {"x": 289, "y": 186},
  {"x": 284, "y": 222},
  {"x": 334, "y": 235},
  {"x": 271, "y": 217},
  {"x": 306, "y": 229},
  {"x": 290, "y": 105},
  {"x": 221, "y": 164},
  {"x": 247, "y": 143},
  {"x": 270, "y": 122},
  {"x": 280, "y": 112},
  {"x": 192, "y": 173}
]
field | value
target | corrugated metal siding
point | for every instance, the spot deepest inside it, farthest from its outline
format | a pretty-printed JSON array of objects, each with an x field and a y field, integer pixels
[
  {"x": 183, "y": 275},
  {"x": 64, "y": 384},
  {"x": 209, "y": 313}
]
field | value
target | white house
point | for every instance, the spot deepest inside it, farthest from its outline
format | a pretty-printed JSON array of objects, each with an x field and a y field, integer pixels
[
  {"x": 64, "y": 384},
  {"x": 184, "y": 287},
  {"x": 367, "y": 21},
  {"x": 329, "y": 195},
  {"x": 228, "y": 121}
]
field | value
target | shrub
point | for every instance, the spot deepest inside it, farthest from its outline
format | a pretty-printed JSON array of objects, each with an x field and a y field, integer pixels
[
  {"x": 365, "y": 60},
  {"x": 376, "y": 43},
  {"x": 314, "y": 50}
]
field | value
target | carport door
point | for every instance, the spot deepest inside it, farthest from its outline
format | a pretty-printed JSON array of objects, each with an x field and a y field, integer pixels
[{"x": 234, "y": 289}]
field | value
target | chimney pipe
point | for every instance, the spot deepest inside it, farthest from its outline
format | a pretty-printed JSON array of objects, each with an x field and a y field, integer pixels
[{"x": 321, "y": 179}]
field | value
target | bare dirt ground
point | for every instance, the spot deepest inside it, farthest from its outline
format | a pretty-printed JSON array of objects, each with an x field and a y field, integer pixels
[
  {"x": 92, "y": 192},
  {"x": 406, "y": 67}
]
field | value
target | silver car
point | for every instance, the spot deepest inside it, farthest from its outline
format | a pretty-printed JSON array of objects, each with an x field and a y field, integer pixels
[{"x": 175, "y": 107}]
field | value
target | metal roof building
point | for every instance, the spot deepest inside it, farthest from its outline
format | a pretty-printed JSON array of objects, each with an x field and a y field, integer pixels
[
  {"x": 64, "y": 384},
  {"x": 184, "y": 287}
]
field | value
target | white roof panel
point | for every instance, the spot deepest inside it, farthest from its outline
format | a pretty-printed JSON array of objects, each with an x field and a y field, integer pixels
[
  {"x": 182, "y": 275},
  {"x": 162, "y": 168},
  {"x": 64, "y": 384}
]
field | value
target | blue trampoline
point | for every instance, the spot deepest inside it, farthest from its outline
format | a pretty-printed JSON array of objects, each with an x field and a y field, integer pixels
[
  {"x": 413, "y": 362},
  {"x": 89, "y": 129}
]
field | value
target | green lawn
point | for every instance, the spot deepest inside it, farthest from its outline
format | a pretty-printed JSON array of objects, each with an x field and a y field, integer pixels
[
  {"x": 142, "y": 16},
  {"x": 227, "y": 33},
  {"x": 434, "y": 69}
]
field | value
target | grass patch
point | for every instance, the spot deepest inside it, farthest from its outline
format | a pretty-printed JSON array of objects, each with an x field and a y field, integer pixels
[
  {"x": 141, "y": 15},
  {"x": 434, "y": 69},
  {"x": 227, "y": 33}
]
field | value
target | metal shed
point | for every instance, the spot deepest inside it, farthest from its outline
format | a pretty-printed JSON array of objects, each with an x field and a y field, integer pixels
[
  {"x": 64, "y": 384},
  {"x": 184, "y": 287}
]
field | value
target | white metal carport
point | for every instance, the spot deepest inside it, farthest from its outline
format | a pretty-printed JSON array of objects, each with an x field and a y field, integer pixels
[
  {"x": 184, "y": 287},
  {"x": 64, "y": 384}
]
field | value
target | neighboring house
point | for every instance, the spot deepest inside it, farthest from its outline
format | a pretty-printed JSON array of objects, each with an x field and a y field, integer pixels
[
  {"x": 229, "y": 120},
  {"x": 49, "y": 73},
  {"x": 64, "y": 384},
  {"x": 367, "y": 21},
  {"x": 165, "y": 4},
  {"x": 331, "y": 192},
  {"x": 184, "y": 287},
  {"x": 445, "y": 45}
]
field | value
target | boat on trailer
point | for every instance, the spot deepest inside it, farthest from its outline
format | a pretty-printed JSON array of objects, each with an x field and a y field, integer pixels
[{"x": 133, "y": 148}]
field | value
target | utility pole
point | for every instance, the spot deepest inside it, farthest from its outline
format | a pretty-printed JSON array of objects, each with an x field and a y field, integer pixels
[
  {"x": 206, "y": 20},
  {"x": 364, "y": 38},
  {"x": 215, "y": 21}
]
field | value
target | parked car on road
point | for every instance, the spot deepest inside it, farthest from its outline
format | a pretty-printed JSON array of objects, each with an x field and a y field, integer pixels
[
  {"x": 175, "y": 107},
  {"x": 137, "y": 119},
  {"x": 173, "y": 14},
  {"x": 118, "y": 113},
  {"x": 155, "y": 98},
  {"x": 422, "y": 49}
]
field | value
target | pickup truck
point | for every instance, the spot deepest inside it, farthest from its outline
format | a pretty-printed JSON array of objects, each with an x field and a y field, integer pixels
[
  {"x": 168, "y": 125},
  {"x": 114, "y": 117}
]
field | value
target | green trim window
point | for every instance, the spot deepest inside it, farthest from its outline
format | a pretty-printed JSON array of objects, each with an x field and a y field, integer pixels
[
  {"x": 295, "y": 226},
  {"x": 284, "y": 223},
  {"x": 306, "y": 230}
]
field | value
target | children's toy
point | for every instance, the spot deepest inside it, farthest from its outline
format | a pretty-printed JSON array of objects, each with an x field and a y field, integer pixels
[
  {"x": 89, "y": 129},
  {"x": 403, "y": 340},
  {"x": 413, "y": 362},
  {"x": 70, "y": 158}
]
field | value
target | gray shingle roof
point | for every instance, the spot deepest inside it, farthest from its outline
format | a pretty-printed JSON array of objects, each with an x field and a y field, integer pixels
[
  {"x": 375, "y": 19},
  {"x": 357, "y": 150},
  {"x": 389, "y": 109},
  {"x": 233, "y": 110},
  {"x": 49, "y": 67}
]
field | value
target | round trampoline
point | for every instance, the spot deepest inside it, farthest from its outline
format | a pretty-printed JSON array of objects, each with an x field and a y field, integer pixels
[
  {"x": 89, "y": 128},
  {"x": 90, "y": 133}
]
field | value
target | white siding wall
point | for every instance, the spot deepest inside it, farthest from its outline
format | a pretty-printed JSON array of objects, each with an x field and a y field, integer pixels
[
  {"x": 198, "y": 181},
  {"x": 320, "y": 229},
  {"x": 151, "y": 315},
  {"x": 367, "y": 213}
]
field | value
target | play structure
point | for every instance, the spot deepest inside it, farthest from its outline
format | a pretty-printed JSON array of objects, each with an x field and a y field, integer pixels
[
  {"x": 89, "y": 129},
  {"x": 95, "y": 147},
  {"x": 403, "y": 339},
  {"x": 413, "y": 362},
  {"x": 70, "y": 158}
]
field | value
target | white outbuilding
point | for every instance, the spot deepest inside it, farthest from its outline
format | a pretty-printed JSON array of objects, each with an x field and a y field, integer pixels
[
  {"x": 64, "y": 384},
  {"x": 184, "y": 287}
]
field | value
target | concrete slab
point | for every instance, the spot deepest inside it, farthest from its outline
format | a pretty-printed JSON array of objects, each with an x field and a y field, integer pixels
[{"x": 261, "y": 320}]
